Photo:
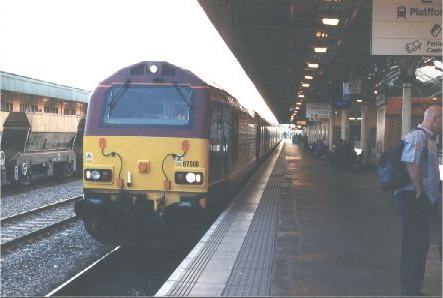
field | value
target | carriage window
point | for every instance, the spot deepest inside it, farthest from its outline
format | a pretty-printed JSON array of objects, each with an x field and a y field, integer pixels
[{"x": 155, "y": 105}]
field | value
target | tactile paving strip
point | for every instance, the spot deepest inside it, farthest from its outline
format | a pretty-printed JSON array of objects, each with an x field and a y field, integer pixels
[
  {"x": 252, "y": 272},
  {"x": 195, "y": 269},
  {"x": 184, "y": 286}
]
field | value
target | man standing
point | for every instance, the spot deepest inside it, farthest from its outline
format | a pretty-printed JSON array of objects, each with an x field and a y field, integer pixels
[{"x": 417, "y": 200}]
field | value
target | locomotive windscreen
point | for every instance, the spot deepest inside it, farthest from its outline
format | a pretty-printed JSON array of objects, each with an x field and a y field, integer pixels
[{"x": 148, "y": 105}]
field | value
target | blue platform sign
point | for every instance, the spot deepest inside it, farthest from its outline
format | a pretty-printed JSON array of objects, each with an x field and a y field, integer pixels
[{"x": 351, "y": 91}]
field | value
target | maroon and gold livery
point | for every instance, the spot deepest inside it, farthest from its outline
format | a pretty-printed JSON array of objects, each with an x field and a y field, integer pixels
[{"x": 159, "y": 143}]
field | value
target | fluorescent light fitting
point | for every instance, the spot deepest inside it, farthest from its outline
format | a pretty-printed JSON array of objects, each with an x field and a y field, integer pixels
[
  {"x": 359, "y": 100},
  {"x": 297, "y": 108},
  {"x": 375, "y": 92},
  {"x": 320, "y": 49},
  {"x": 299, "y": 103},
  {"x": 305, "y": 85},
  {"x": 301, "y": 96},
  {"x": 312, "y": 65},
  {"x": 309, "y": 77},
  {"x": 330, "y": 21}
]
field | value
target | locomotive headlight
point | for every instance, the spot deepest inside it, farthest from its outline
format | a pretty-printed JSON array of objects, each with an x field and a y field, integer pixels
[
  {"x": 198, "y": 178},
  {"x": 95, "y": 175},
  {"x": 190, "y": 177},
  {"x": 153, "y": 68},
  {"x": 98, "y": 175}
]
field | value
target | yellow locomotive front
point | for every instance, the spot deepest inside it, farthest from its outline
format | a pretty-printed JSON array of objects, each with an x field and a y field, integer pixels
[{"x": 145, "y": 152}]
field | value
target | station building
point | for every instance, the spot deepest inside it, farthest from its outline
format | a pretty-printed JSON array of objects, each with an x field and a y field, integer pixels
[{"x": 33, "y": 96}]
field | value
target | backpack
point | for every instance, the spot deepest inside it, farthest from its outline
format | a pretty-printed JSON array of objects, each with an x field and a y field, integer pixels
[{"x": 391, "y": 171}]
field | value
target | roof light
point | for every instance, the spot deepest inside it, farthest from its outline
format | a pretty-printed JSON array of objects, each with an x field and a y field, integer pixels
[
  {"x": 312, "y": 65},
  {"x": 299, "y": 103},
  {"x": 434, "y": 98},
  {"x": 320, "y": 34},
  {"x": 375, "y": 92},
  {"x": 301, "y": 96},
  {"x": 330, "y": 21},
  {"x": 305, "y": 85},
  {"x": 320, "y": 49},
  {"x": 359, "y": 100},
  {"x": 297, "y": 108},
  {"x": 309, "y": 77}
]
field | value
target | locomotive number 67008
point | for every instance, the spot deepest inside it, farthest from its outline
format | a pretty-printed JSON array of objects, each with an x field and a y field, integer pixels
[{"x": 191, "y": 163}]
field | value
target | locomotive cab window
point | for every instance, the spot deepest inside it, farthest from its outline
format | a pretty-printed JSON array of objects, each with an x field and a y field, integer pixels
[{"x": 148, "y": 105}]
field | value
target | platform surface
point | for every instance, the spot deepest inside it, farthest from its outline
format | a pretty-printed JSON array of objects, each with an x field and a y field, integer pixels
[{"x": 300, "y": 229}]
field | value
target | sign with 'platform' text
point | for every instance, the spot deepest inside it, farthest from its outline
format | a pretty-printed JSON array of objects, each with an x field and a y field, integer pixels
[{"x": 407, "y": 27}]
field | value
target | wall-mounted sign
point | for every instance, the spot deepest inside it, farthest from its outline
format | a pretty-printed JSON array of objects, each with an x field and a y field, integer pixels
[
  {"x": 316, "y": 111},
  {"x": 407, "y": 27}
]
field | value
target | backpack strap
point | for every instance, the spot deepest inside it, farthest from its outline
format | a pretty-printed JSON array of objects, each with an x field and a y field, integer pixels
[{"x": 425, "y": 151}]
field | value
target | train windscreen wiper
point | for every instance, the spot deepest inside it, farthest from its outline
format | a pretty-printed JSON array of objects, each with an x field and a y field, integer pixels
[
  {"x": 116, "y": 97},
  {"x": 183, "y": 96}
]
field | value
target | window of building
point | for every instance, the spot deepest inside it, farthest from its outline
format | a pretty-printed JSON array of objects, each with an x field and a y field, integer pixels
[
  {"x": 6, "y": 106},
  {"x": 69, "y": 111},
  {"x": 47, "y": 109},
  {"x": 22, "y": 107}
]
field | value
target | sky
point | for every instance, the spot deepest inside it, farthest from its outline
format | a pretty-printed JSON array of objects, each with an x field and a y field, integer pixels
[{"x": 81, "y": 42}]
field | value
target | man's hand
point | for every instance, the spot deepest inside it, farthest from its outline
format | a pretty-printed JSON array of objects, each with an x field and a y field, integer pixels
[
  {"x": 415, "y": 174},
  {"x": 419, "y": 194}
]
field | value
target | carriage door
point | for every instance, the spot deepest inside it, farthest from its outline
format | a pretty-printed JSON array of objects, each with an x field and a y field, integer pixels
[
  {"x": 226, "y": 144},
  {"x": 233, "y": 139}
]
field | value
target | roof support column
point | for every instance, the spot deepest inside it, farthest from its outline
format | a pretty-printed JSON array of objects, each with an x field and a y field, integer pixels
[
  {"x": 364, "y": 130},
  {"x": 344, "y": 125},
  {"x": 406, "y": 109},
  {"x": 330, "y": 133}
]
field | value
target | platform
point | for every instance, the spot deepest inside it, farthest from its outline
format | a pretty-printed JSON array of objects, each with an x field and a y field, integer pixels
[{"x": 300, "y": 229}]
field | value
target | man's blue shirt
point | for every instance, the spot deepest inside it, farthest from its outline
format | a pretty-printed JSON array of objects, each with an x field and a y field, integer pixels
[{"x": 415, "y": 147}]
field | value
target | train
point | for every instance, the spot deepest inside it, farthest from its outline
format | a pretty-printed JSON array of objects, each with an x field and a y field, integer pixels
[
  {"x": 161, "y": 147},
  {"x": 38, "y": 145}
]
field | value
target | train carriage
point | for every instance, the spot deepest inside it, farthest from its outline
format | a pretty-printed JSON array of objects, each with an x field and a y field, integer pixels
[{"x": 160, "y": 143}]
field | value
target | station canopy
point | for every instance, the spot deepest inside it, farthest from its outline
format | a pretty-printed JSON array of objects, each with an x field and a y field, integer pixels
[
  {"x": 274, "y": 40},
  {"x": 21, "y": 84}
]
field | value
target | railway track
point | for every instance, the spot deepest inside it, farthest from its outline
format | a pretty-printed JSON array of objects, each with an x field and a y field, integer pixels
[
  {"x": 31, "y": 223},
  {"x": 82, "y": 273}
]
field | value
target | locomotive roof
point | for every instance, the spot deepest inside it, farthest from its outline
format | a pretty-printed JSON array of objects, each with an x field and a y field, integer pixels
[{"x": 167, "y": 73}]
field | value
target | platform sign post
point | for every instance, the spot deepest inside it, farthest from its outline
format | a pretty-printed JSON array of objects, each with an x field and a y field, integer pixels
[{"x": 407, "y": 27}]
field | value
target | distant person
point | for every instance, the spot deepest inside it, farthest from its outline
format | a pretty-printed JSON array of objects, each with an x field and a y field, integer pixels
[{"x": 417, "y": 200}]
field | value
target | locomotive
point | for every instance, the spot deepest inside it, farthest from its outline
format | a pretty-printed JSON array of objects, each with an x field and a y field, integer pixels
[{"x": 160, "y": 148}]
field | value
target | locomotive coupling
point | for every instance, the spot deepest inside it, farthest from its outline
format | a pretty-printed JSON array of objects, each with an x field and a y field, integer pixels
[{"x": 161, "y": 203}]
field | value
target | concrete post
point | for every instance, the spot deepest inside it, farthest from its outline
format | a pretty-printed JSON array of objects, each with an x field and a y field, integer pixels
[
  {"x": 331, "y": 133},
  {"x": 364, "y": 130},
  {"x": 344, "y": 125},
  {"x": 406, "y": 109}
]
